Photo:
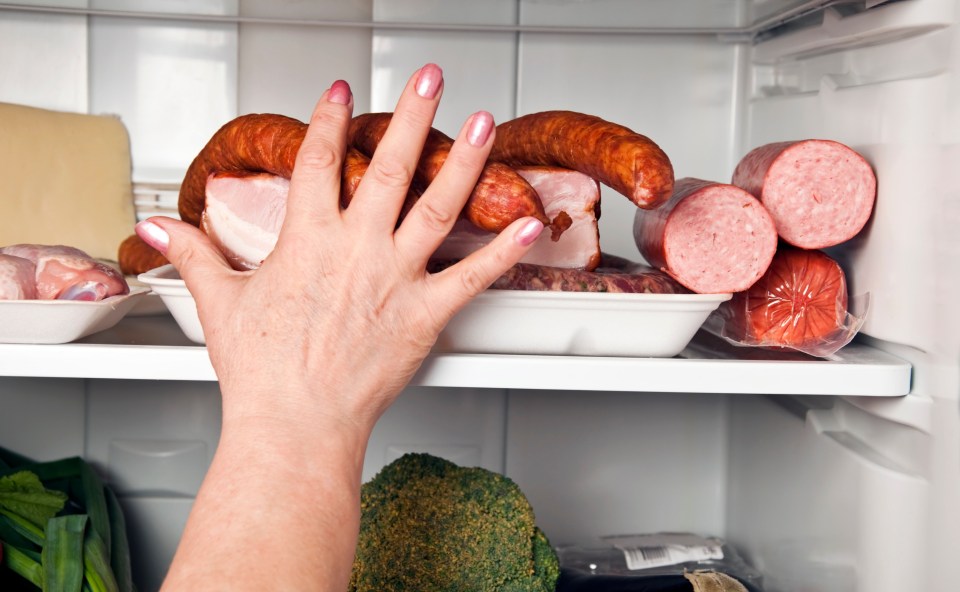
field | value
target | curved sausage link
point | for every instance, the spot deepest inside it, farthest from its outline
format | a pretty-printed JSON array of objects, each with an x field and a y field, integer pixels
[
  {"x": 136, "y": 257},
  {"x": 500, "y": 196},
  {"x": 258, "y": 143},
  {"x": 616, "y": 156}
]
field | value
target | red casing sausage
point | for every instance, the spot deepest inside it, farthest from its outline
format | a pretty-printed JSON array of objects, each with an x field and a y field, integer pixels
[
  {"x": 499, "y": 197},
  {"x": 799, "y": 303},
  {"x": 616, "y": 156}
]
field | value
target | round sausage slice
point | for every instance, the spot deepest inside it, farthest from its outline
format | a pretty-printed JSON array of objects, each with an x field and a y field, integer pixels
[
  {"x": 820, "y": 193},
  {"x": 711, "y": 237}
]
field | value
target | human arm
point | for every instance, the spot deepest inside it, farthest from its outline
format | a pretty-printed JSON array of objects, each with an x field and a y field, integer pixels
[{"x": 312, "y": 348}]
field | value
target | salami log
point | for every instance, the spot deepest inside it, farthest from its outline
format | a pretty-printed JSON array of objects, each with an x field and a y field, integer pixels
[
  {"x": 711, "y": 237},
  {"x": 499, "y": 197},
  {"x": 800, "y": 303},
  {"x": 626, "y": 161},
  {"x": 820, "y": 193},
  {"x": 136, "y": 257}
]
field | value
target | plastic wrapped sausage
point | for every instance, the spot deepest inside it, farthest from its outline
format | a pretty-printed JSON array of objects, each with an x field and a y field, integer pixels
[{"x": 800, "y": 303}]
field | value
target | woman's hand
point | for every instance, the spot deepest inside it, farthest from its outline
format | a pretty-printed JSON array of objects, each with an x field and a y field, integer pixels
[
  {"x": 313, "y": 346},
  {"x": 343, "y": 308}
]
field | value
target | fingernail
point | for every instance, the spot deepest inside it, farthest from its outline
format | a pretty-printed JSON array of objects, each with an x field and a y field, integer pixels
[
  {"x": 154, "y": 236},
  {"x": 480, "y": 125},
  {"x": 429, "y": 81},
  {"x": 340, "y": 93},
  {"x": 530, "y": 231}
]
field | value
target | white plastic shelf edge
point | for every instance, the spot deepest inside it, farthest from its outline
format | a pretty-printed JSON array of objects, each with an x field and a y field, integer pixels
[{"x": 707, "y": 366}]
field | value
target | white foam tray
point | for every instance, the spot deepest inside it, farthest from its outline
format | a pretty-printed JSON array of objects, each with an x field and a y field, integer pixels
[{"x": 518, "y": 322}]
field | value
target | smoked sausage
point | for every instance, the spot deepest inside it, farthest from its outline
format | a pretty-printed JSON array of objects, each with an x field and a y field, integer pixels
[
  {"x": 136, "y": 257},
  {"x": 499, "y": 197},
  {"x": 820, "y": 193},
  {"x": 258, "y": 143},
  {"x": 711, "y": 237},
  {"x": 618, "y": 157}
]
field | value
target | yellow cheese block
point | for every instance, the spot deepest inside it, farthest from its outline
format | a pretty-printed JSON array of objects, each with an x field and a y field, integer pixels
[{"x": 66, "y": 180}]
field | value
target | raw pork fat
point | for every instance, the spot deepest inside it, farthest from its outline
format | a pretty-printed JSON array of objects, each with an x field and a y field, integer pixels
[{"x": 243, "y": 215}]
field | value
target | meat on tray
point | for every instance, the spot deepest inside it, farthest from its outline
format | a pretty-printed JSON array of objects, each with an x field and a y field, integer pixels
[
  {"x": 66, "y": 273},
  {"x": 17, "y": 278},
  {"x": 560, "y": 190}
]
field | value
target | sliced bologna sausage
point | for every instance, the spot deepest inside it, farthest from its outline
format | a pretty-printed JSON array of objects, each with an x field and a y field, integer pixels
[
  {"x": 799, "y": 303},
  {"x": 711, "y": 237},
  {"x": 618, "y": 157},
  {"x": 820, "y": 193},
  {"x": 499, "y": 197}
]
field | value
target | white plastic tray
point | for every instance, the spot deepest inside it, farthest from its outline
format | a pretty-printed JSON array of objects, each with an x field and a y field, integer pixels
[
  {"x": 578, "y": 323},
  {"x": 62, "y": 321},
  {"x": 518, "y": 322}
]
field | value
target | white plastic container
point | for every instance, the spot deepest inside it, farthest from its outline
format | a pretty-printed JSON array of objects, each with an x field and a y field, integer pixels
[{"x": 518, "y": 322}]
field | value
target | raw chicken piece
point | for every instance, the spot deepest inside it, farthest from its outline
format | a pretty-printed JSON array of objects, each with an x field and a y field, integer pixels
[
  {"x": 66, "y": 273},
  {"x": 243, "y": 215},
  {"x": 560, "y": 190},
  {"x": 17, "y": 278}
]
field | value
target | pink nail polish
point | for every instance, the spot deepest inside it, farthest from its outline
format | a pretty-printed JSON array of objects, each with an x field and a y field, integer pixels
[
  {"x": 529, "y": 233},
  {"x": 429, "y": 81},
  {"x": 340, "y": 93},
  {"x": 153, "y": 235},
  {"x": 480, "y": 125}
]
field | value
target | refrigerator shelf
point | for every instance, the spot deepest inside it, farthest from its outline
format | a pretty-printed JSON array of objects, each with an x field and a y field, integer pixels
[{"x": 154, "y": 348}]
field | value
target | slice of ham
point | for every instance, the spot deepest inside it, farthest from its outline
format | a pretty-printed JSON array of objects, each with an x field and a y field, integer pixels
[
  {"x": 66, "y": 273},
  {"x": 243, "y": 215},
  {"x": 560, "y": 190},
  {"x": 17, "y": 278}
]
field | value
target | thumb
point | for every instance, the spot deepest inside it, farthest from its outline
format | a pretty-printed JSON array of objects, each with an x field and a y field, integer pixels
[{"x": 187, "y": 248}]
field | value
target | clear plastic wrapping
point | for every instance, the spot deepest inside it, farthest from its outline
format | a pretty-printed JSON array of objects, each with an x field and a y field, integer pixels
[
  {"x": 650, "y": 561},
  {"x": 800, "y": 303}
]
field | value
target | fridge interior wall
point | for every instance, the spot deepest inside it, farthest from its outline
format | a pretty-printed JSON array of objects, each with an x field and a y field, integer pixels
[{"x": 824, "y": 493}]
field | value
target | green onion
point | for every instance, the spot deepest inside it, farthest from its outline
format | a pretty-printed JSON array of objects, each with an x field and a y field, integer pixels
[
  {"x": 62, "y": 556},
  {"x": 23, "y": 563}
]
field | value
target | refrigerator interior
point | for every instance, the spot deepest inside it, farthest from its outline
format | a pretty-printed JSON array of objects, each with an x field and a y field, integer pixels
[{"x": 821, "y": 479}]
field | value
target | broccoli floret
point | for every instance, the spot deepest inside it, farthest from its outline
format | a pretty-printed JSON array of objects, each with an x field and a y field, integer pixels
[{"x": 429, "y": 525}]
